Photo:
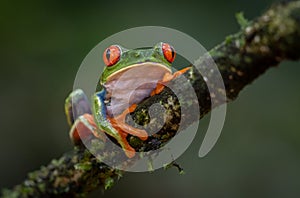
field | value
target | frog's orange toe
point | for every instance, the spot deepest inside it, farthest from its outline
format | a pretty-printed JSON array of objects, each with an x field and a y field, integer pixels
[
  {"x": 180, "y": 72},
  {"x": 129, "y": 151},
  {"x": 130, "y": 154}
]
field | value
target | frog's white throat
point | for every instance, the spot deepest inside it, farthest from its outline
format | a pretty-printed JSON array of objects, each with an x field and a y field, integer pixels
[{"x": 133, "y": 84}]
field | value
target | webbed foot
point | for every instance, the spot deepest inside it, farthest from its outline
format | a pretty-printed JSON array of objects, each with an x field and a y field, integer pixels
[
  {"x": 118, "y": 122},
  {"x": 124, "y": 129}
]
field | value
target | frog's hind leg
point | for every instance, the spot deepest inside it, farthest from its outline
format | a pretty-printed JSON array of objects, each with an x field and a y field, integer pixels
[
  {"x": 167, "y": 78},
  {"x": 78, "y": 113},
  {"x": 83, "y": 129},
  {"x": 118, "y": 122},
  {"x": 129, "y": 151}
]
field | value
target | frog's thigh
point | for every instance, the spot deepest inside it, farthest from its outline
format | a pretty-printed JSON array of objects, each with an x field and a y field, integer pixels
[{"x": 83, "y": 128}]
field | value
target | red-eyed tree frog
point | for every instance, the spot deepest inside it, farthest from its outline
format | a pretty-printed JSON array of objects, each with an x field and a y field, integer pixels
[{"x": 129, "y": 77}]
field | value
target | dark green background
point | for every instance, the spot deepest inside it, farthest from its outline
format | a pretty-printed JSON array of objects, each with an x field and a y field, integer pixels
[{"x": 42, "y": 46}]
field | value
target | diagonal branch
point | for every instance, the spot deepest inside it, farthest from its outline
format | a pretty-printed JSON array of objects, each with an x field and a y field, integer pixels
[{"x": 242, "y": 57}]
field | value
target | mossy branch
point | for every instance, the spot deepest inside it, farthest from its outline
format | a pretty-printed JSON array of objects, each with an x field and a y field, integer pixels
[{"x": 259, "y": 45}]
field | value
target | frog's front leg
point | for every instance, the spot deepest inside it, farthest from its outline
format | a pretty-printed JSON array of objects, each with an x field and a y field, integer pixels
[
  {"x": 116, "y": 127},
  {"x": 78, "y": 113},
  {"x": 167, "y": 78}
]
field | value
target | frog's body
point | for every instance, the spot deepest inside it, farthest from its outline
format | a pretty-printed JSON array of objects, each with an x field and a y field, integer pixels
[
  {"x": 133, "y": 85},
  {"x": 129, "y": 78}
]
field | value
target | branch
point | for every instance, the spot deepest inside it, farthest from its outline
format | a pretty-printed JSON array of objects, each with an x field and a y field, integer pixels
[{"x": 242, "y": 57}]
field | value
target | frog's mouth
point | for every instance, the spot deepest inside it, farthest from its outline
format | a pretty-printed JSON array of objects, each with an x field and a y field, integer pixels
[{"x": 146, "y": 70}]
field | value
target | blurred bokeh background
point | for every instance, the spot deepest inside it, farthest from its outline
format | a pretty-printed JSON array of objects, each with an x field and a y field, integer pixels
[{"x": 42, "y": 46}]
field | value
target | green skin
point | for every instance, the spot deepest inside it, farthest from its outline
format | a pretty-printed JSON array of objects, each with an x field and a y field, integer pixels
[{"x": 129, "y": 59}]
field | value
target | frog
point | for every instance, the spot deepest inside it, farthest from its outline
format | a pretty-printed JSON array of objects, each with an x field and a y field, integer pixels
[{"x": 129, "y": 77}]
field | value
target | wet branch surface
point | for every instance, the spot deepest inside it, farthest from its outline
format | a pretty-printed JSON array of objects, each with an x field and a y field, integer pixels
[{"x": 259, "y": 45}]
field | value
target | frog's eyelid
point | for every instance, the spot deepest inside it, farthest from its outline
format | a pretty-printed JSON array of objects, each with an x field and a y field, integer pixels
[
  {"x": 122, "y": 49},
  {"x": 159, "y": 46},
  {"x": 118, "y": 46}
]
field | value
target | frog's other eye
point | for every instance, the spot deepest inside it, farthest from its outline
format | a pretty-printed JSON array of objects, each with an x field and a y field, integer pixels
[
  {"x": 111, "y": 55},
  {"x": 168, "y": 52}
]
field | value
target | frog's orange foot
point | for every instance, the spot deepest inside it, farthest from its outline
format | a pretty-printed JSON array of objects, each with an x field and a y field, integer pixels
[
  {"x": 167, "y": 78},
  {"x": 119, "y": 123},
  {"x": 124, "y": 129},
  {"x": 83, "y": 128}
]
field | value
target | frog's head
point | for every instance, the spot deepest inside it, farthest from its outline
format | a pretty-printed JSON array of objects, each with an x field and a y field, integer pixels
[{"x": 119, "y": 60}]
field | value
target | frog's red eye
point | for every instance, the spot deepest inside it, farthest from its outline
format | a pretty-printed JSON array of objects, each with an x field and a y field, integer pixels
[
  {"x": 111, "y": 55},
  {"x": 169, "y": 52}
]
